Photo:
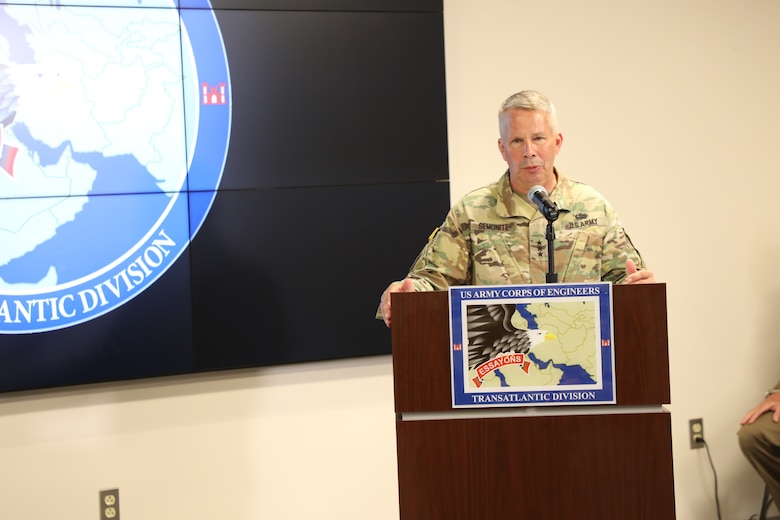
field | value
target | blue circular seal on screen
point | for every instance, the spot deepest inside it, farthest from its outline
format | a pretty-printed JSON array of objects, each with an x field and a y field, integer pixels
[{"x": 114, "y": 130}]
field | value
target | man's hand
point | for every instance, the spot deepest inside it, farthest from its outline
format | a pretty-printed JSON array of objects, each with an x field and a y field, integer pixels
[
  {"x": 770, "y": 404},
  {"x": 637, "y": 276},
  {"x": 405, "y": 285}
]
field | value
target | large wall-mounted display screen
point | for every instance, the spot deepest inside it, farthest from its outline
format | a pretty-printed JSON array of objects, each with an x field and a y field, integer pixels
[{"x": 192, "y": 186}]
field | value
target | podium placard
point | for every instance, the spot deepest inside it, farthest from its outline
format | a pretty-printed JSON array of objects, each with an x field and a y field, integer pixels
[
  {"x": 609, "y": 461},
  {"x": 531, "y": 345}
]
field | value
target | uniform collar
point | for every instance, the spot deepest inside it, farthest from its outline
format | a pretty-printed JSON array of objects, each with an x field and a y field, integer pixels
[{"x": 510, "y": 204}]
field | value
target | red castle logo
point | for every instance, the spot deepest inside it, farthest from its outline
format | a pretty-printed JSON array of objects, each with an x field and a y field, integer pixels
[{"x": 211, "y": 95}]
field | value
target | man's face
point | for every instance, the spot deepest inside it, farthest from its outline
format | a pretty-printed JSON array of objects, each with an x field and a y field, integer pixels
[{"x": 529, "y": 145}]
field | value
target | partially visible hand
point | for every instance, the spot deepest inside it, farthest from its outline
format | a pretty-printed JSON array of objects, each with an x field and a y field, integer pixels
[
  {"x": 637, "y": 276},
  {"x": 770, "y": 404},
  {"x": 405, "y": 285}
]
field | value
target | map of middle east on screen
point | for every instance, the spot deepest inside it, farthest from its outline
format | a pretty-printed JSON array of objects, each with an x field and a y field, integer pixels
[{"x": 97, "y": 109}]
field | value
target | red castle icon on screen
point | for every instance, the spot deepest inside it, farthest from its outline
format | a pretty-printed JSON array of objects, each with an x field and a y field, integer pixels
[{"x": 211, "y": 95}]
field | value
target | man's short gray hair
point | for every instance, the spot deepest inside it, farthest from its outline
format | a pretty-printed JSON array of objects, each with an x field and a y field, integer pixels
[{"x": 529, "y": 100}]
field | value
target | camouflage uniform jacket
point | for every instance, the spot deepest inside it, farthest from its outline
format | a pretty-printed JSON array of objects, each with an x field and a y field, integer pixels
[{"x": 494, "y": 236}]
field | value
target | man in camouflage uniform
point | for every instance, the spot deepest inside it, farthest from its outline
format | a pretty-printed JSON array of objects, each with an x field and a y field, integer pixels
[
  {"x": 759, "y": 439},
  {"x": 494, "y": 235}
]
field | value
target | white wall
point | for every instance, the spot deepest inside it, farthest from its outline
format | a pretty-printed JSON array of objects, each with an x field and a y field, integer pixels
[
  {"x": 296, "y": 442},
  {"x": 668, "y": 107}
]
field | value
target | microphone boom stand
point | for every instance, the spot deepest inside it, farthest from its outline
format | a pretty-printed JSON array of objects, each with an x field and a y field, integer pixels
[{"x": 551, "y": 216}]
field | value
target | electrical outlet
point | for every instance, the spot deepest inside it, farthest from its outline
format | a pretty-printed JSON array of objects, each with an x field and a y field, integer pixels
[
  {"x": 696, "y": 432},
  {"x": 109, "y": 504}
]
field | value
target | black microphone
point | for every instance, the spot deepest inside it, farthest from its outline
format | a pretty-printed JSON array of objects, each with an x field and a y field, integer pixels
[{"x": 538, "y": 195}]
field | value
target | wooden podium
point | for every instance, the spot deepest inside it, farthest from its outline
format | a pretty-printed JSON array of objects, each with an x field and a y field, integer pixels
[{"x": 605, "y": 462}]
